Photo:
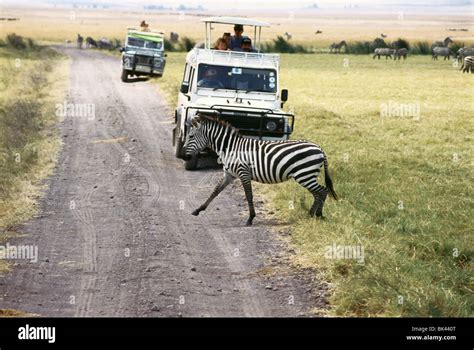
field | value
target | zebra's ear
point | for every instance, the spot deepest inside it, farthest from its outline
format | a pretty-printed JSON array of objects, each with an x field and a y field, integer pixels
[
  {"x": 195, "y": 121},
  {"x": 203, "y": 117}
]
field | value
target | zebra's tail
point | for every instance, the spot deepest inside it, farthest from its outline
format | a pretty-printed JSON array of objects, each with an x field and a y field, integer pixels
[{"x": 327, "y": 178}]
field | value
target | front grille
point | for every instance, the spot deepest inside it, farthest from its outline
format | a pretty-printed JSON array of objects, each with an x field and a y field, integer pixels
[
  {"x": 251, "y": 125},
  {"x": 144, "y": 60}
]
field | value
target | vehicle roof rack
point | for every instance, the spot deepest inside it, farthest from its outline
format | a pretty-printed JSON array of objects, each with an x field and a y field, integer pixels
[{"x": 257, "y": 28}]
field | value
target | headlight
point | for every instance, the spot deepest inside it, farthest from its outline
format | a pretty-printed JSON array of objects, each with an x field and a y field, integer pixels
[{"x": 271, "y": 126}]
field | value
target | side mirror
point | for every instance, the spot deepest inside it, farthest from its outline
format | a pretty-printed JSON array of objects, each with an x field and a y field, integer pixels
[
  {"x": 166, "y": 55},
  {"x": 121, "y": 49},
  {"x": 184, "y": 88},
  {"x": 284, "y": 95}
]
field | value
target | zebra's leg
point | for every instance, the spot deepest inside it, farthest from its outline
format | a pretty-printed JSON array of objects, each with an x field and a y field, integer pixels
[
  {"x": 246, "y": 180},
  {"x": 218, "y": 189},
  {"x": 319, "y": 193}
]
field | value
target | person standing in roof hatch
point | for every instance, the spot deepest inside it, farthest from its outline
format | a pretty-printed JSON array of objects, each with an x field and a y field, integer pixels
[{"x": 236, "y": 39}]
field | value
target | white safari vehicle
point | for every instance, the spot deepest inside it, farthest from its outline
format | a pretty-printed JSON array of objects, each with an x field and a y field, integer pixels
[
  {"x": 239, "y": 87},
  {"x": 143, "y": 53}
]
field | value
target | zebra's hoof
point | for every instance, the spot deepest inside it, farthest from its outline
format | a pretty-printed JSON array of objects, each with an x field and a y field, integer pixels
[{"x": 196, "y": 212}]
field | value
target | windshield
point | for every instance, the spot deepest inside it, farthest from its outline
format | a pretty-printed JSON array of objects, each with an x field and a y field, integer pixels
[
  {"x": 234, "y": 78},
  {"x": 131, "y": 41}
]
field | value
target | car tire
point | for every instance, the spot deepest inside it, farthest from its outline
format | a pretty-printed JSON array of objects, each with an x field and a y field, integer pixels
[
  {"x": 178, "y": 147},
  {"x": 124, "y": 75}
]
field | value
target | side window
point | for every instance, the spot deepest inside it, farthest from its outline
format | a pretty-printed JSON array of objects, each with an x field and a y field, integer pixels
[{"x": 187, "y": 73}]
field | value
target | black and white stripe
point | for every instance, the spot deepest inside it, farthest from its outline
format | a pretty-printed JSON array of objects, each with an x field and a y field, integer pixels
[
  {"x": 442, "y": 51},
  {"x": 468, "y": 64},
  {"x": 257, "y": 160},
  {"x": 382, "y": 51}
]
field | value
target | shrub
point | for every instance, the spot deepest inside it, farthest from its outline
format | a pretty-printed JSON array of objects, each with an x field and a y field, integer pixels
[
  {"x": 186, "y": 44},
  {"x": 421, "y": 48},
  {"x": 401, "y": 44},
  {"x": 360, "y": 48},
  {"x": 282, "y": 45},
  {"x": 16, "y": 41}
]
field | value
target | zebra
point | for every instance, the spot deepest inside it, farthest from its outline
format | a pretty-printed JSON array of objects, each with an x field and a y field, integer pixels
[
  {"x": 444, "y": 43},
  {"x": 401, "y": 53},
  {"x": 463, "y": 52},
  {"x": 468, "y": 64},
  {"x": 336, "y": 47},
  {"x": 263, "y": 161},
  {"x": 441, "y": 51},
  {"x": 288, "y": 36},
  {"x": 382, "y": 51}
]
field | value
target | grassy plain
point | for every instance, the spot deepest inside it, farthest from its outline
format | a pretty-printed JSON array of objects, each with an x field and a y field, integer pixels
[{"x": 405, "y": 182}]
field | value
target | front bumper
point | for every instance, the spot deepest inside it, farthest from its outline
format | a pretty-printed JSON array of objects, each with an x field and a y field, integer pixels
[
  {"x": 144, "y": 64},
  {"x": 250, "y": 121}
]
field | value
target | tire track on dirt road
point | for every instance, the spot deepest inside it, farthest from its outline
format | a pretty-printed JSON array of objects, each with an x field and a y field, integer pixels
[{"x": 115, "y": 235}]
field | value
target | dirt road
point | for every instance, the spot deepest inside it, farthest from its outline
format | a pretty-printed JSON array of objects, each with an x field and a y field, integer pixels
[{"x": 115, "y": 235}]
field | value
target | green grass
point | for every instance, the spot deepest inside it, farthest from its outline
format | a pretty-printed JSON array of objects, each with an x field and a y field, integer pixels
[{"x": 405, "y": 184}]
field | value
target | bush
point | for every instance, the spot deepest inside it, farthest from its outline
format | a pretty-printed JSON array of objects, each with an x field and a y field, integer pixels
[
  {"x": 379, "y": 42},
  {"x": 401, "y": 44},
  {"x": 359, "y": 48},
  {"x": 281, "y": 45},
  {"x": 186, "y": 44},
  {"x": 169, "y": 45},
  {"x": 16, "y": 42},
  {"x": 421, "y": 48}
]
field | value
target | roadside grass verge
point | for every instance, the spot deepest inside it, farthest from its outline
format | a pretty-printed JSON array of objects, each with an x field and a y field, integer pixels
[
  {"x": 405, "y": 181},
  {"x": 32, "y": 81}
]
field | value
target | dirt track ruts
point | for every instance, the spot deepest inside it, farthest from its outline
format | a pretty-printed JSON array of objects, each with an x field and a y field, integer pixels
[{"x": 115, "y": 235}]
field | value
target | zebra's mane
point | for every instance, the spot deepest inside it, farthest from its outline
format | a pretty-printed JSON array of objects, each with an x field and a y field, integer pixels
[{"x": 221, "y": 122}]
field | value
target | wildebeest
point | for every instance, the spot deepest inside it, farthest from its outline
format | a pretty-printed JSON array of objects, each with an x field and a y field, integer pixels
[
  {"x": 105, "y": 43},
  {"x": 91, "y": 42},
  {"x": 319, "y": 32},
  {"x": 80, "y": 40},
  {"x": 336, "y": 47},
  {"x": 468, "y": 64},
  {"x": 174, "y": 37},
  {"x": 384, "y": 51},
  {"x": 403, "y": 52},
  {"x": 442, "y": 51}
]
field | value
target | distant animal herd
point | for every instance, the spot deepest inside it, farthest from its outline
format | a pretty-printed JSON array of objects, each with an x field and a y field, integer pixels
[{"x": 463, "y": 55}]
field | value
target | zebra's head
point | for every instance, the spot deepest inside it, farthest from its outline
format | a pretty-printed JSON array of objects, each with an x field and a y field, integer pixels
[{"x": 197, "y": 138}]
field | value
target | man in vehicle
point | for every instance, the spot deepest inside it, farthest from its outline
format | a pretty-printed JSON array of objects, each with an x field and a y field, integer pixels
[
  {"x": 246, "y": 45},
  {"x": 236, "y": 39},
  {"x": 210, "y": 80}
]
